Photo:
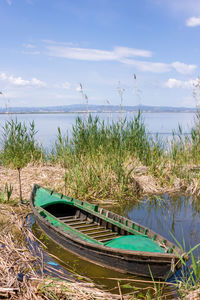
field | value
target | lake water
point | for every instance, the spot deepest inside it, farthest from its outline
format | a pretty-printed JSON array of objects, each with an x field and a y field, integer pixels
[
  {"x": 177, "y": 216},
  {"x": 47, "y": 124}
]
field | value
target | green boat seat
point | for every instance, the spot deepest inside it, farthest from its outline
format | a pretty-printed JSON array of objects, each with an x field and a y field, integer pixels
[{"x": 136, "y": 243}]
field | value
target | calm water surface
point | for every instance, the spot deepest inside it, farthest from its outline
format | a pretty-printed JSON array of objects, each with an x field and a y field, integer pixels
[
  {"x": 178, "y": 216},
  {"x": 47, "y": 124}
]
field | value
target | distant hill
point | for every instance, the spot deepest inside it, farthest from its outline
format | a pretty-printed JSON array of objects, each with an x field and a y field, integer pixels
[{"x": 94, "y": 108}]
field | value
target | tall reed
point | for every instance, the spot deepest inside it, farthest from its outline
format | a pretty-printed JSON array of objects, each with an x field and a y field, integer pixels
[
  {"x": 115, "y": 149},
  {"x": 91, "y": 135},
  {"x": 19, "y": 146},
  {"x": 97, "y": 152}
]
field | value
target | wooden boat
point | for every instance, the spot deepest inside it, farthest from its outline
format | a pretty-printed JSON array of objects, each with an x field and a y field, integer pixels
[{"x": 103, "y": 237}]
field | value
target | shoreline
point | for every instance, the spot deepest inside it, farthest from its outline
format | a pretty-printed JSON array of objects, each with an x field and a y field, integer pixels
[{"x": 94, "y": 112}]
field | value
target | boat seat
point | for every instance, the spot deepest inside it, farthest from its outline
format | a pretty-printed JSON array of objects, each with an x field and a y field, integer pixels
[
  {"x": 92, "y": 229},
  {"x": 84, "y": 226},
  {"x": 71, "y": 220},
  {"x": 105, "y": 235},
  {"x": 75, "y": 223},
  {"x": 98, "y": 232}
]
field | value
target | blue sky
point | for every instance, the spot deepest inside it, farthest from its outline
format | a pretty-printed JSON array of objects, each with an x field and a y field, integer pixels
[{"x": 49, "y": 47}]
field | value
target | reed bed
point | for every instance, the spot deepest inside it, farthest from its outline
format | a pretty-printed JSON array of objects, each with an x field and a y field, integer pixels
[
  {"x": 53, "y": 176},
  {"x": 105, "y": 162},
  {"x": 122, "y": 160}
]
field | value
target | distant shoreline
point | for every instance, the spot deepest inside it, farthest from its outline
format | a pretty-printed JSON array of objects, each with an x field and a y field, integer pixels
[
  {"x": 90, "y": 112},
  {"x": 96, "y": 109}
]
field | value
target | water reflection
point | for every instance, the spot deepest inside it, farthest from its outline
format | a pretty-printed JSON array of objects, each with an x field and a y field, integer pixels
[{"x": 179, "y": 215}]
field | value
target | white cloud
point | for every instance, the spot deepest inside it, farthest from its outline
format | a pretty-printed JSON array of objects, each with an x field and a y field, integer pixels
[
  {"x": 96, "y": 54},
  {"x": 158, "y": 67},
  {"x": 121, "y": 54},
  {"x": 81, "y": 54},
  {"x": 131, "y": 52},
  {"x": 51, "y": 42},
  {"x": 183, "y": 68},
  {"x": 193, "y": 22},
  {"x": 78, "y": 88},
  {"x": 175, "y": 83},
  {"x": 146, "y": 66},
  {"x": 37, "y": 82},
  {"x": 18, "y": 81}
]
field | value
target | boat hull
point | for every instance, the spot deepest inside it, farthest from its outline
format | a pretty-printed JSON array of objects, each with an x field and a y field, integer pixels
[{"x": 141, "y": 265}]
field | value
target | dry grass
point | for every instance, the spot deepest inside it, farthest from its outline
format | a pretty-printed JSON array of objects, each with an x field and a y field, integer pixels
[
  {"x": 22, "y": 271},
  {"x": 46, "y": 175},
  {"x": 18, "y": 278},
  {"x": 76, "y": 291},
  {"x": 52, "y": 176},
  {"x": 194, "y": 295}
]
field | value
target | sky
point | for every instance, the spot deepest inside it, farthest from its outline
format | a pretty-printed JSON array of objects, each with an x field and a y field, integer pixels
[{"x": 62, "y": 52}]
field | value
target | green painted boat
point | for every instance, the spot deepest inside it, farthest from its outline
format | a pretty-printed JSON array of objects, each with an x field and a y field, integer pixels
[{"x": 103, "y": 237}]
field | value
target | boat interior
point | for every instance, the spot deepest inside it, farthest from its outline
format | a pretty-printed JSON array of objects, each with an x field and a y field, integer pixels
[
  {"x": 95, "y": 224},
  {"x": 103, "y": 227},
  {"x": 85, "y": 222}
]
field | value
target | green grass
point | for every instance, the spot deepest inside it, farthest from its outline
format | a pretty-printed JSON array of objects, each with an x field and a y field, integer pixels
[
  {"x": 190, "y": 277},
  {"x": 96, "y": 155},
  {"x": 19, "y": 147},
  {"x": 100, "y": 158}
]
